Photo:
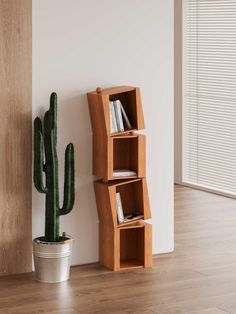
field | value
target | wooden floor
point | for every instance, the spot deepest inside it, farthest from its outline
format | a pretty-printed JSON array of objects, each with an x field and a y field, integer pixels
[{"x": 199, "y": 278}]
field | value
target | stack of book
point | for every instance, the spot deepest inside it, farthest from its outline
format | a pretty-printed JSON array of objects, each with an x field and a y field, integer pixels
[
  {"x": 124, "y": 173},
  {"x": 119, "y": 120},
  {"x": 120, "y": 213}
]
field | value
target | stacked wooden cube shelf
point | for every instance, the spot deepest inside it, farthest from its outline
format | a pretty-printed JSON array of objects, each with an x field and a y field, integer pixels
[{"x": 126, "y": 245}]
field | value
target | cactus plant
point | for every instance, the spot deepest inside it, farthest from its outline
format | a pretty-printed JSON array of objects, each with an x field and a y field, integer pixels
[{"x": 46, "y": 162}]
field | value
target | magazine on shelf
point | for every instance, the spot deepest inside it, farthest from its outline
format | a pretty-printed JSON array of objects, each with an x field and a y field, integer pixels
[
  {"x": 133, "y": 217},
  {"x": 124, "y": 173},
  {"x": 125, "y": 117}
]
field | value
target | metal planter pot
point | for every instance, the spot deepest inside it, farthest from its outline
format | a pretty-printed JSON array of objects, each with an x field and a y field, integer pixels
[{"x": 52, "y": 260}]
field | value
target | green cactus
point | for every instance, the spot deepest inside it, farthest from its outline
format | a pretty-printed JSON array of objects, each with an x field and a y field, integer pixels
[{"x": 46, "y": 161}]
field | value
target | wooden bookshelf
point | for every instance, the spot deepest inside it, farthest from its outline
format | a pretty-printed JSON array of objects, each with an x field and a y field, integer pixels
[{"x": 129, "y": 244}]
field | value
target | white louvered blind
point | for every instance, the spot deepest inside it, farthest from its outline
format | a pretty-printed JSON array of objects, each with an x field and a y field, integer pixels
[{"x": 209, "y": 94}]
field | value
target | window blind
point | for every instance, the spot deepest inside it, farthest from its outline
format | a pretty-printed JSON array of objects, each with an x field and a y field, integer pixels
[{"x": 209, "y": 94}]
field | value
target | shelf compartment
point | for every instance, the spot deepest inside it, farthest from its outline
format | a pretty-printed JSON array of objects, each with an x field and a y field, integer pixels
[
  {"x": 100, "y": 112},
  {"x": 125, "y": 153},
  {"x": 134, "y": 198},
  {"x": 135, "y": 246},
  {"x": 121, "y": 152},
  {"x": 131, "y": 247},
  {"x": 126, "y": 248},
  {"x": 129, "y": 103}
]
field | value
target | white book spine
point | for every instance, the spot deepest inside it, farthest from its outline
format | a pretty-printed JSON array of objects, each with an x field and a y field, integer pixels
[
  {"x": 113, "y": 124},
  {"x": 120, "y": 116},
  {"x": 120, "y": 214},
  {"x": 112, "y": 129},
  {"x": 116, "y": 115}
]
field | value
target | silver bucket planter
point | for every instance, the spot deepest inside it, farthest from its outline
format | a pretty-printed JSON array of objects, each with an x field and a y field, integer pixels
[{"x": 52, "y": 260}]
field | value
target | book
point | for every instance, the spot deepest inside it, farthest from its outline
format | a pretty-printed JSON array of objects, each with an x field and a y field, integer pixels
[
  {"x": 124, "y": 173},
  {"x": 120, "y": 214},
  {"x": 112, "y": 128},
  {"x": 118, "y": 115},
  {"x": 125, "y": 117},
  {"x": 113, "y": 124},
  {"x": 133, "y": 217}
]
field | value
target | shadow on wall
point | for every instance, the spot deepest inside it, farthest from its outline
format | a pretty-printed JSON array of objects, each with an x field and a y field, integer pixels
[
  {"x": 82, "y": 222},
  {"x": 74, "y": 125}
]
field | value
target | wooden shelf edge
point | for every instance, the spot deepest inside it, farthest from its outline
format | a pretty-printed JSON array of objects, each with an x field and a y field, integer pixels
[
  {"x": 130, "y": 264},
  {"x": 124, "y": 180},
  {"x": 132, "y": 224},
  {"x": 124, "y": 133},
  {"x": 114, "y": 90}
]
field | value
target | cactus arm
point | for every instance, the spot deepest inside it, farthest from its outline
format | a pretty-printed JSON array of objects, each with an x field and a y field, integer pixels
[
  {"x": 69, "y": 183},
  {"x": 38, "y": 125},
  {"x": 38, "y": 156},
  {"x": 53, "y": 114}
]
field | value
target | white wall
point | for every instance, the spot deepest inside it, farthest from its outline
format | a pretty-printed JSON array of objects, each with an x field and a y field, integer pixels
[{"x": 79, "y": 45}]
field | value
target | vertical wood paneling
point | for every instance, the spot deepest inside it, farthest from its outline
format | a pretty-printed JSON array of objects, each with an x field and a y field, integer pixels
[{"x": 15, "y": 135}]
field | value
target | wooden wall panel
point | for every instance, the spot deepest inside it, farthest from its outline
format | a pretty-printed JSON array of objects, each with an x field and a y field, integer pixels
[{"x": 15, "y": 136}]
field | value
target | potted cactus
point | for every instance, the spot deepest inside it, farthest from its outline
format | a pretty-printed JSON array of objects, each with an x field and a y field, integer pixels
[{"x": 52, "y": 251}]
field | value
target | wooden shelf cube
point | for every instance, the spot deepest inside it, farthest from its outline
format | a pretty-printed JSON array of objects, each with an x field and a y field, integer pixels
[
  {"x": 134, "y": 242},
  {"x": 126, "y": 247},
  {"x": 100, "y": 110},
  {"x": 120, "y": 152},
  {"x": 134, "y": 198}
]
